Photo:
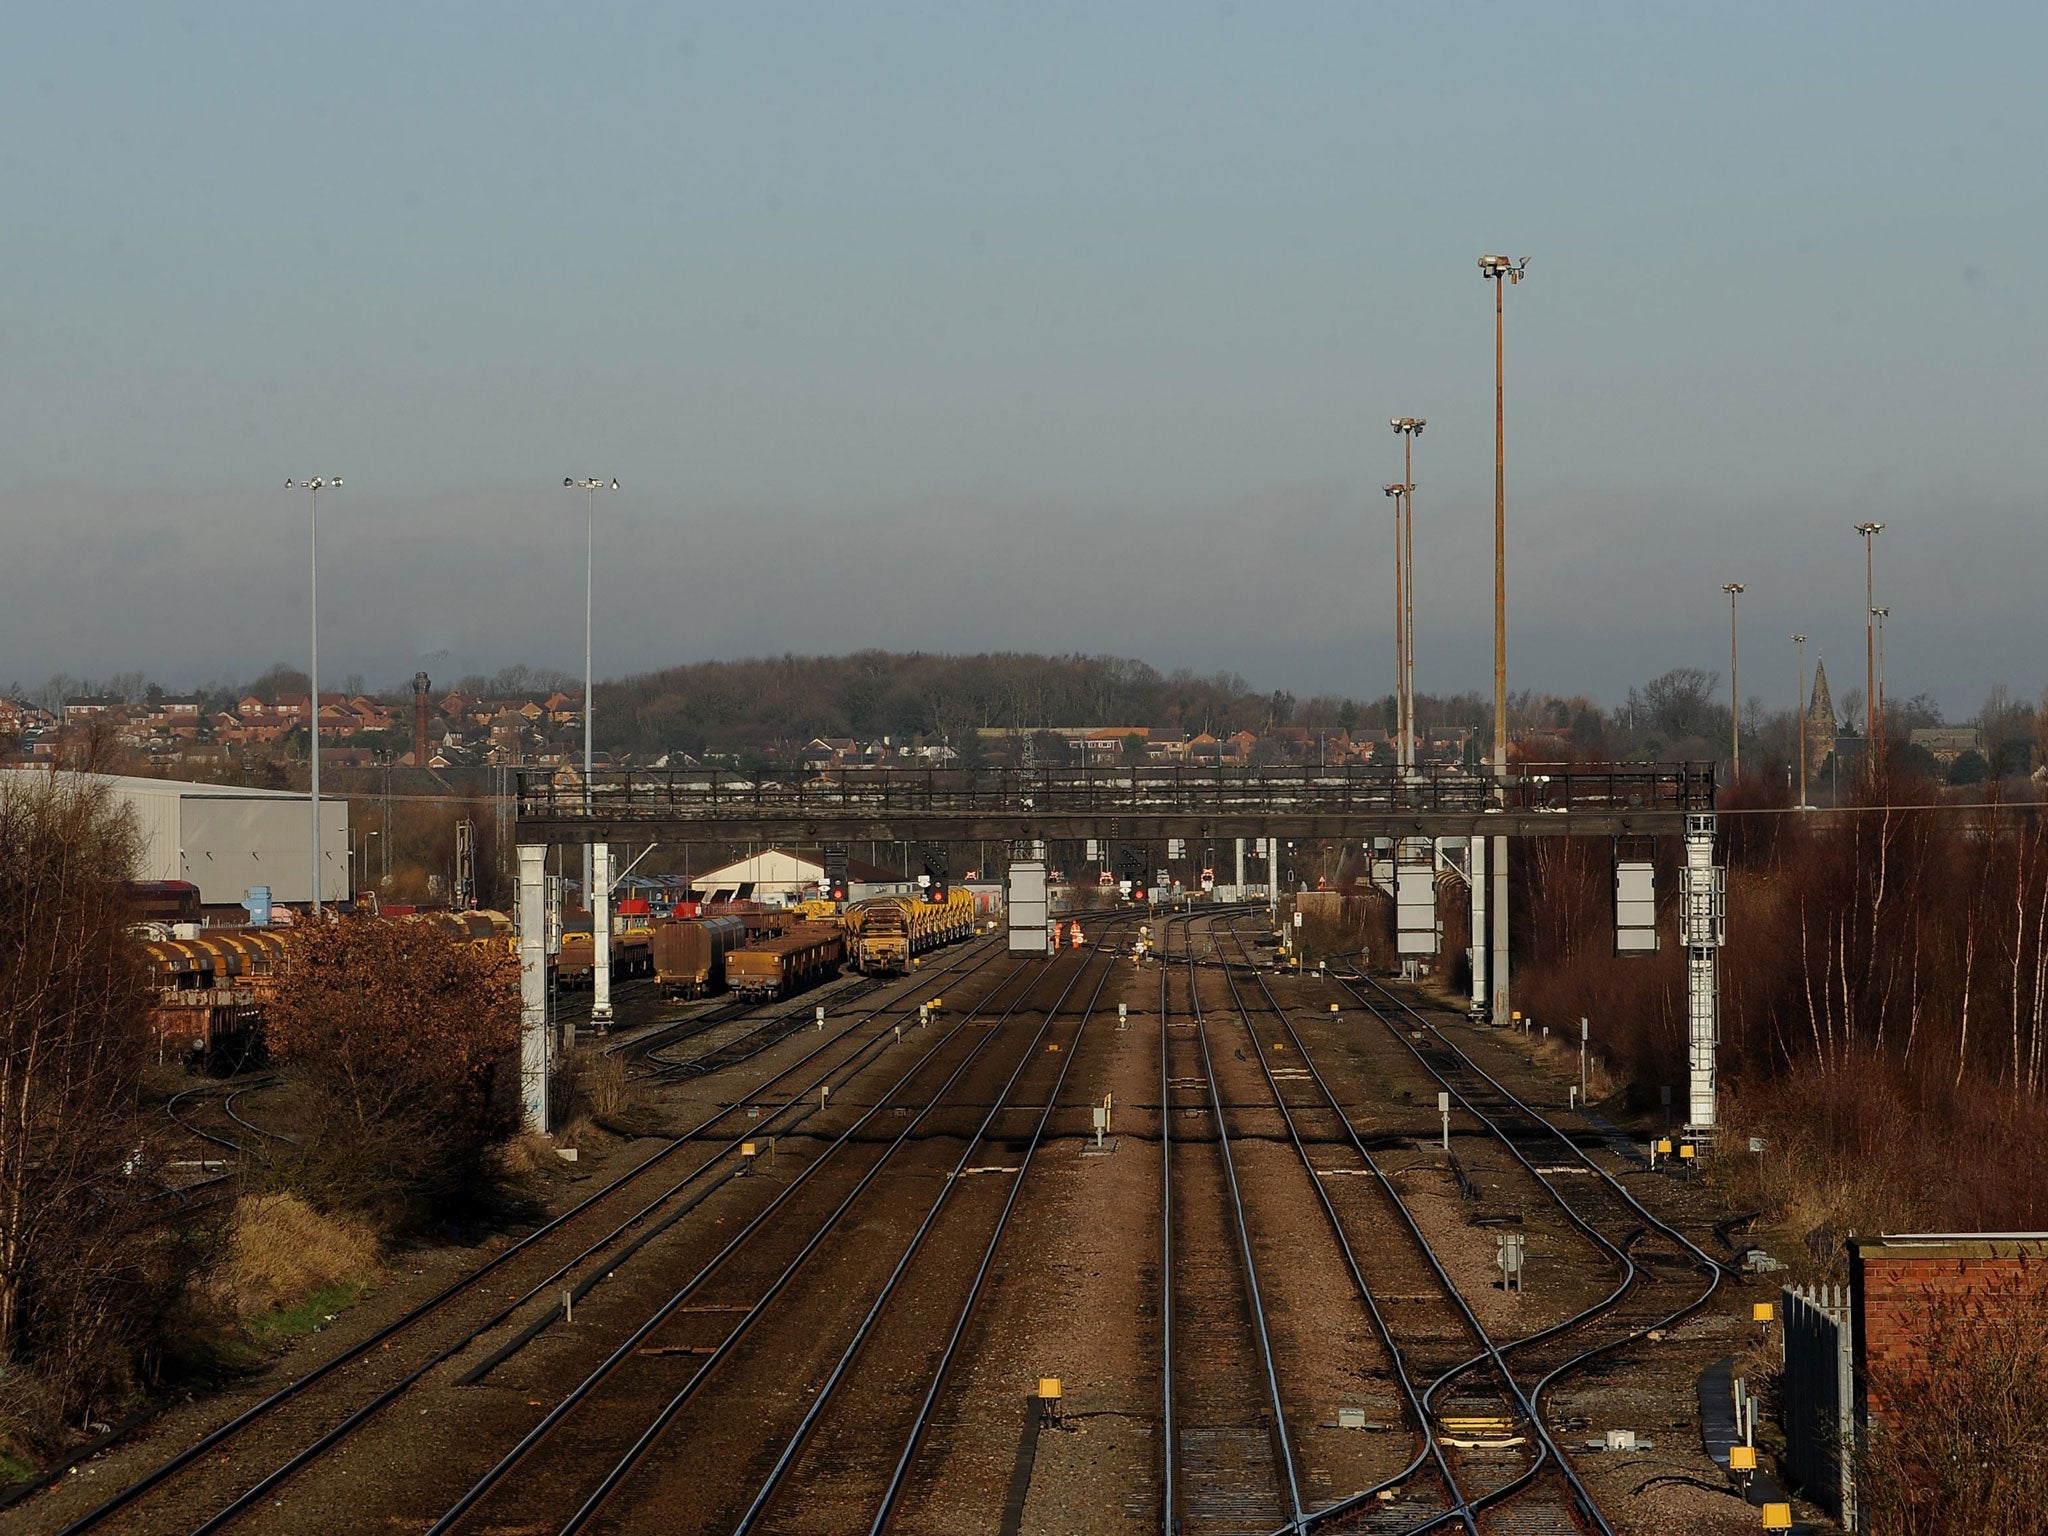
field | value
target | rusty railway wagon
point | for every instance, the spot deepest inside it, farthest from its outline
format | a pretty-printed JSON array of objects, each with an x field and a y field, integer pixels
[
  {"x": 776, "y": 967},
  {"x": 632, "y": 954},
  {"x": 690, "y": 953},
  {"x": 211, "y": 990}
]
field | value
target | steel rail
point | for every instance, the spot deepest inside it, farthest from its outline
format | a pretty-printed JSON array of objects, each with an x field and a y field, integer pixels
[
  {"x": 228, "y": 1105},
  {"x": 988, "y": 1259},
  {"x": 1298, "y": 1521},
  {"x": 624, "y": 1351},
  {"x": 1432, "y": 1448},
  {"x": 274, "y": 1400},
  {"x": 849, "y": 1067},
  {"x": 190, "y": 1128},
  {"x": 1168, "y": 1524},
  {"x": 796, "y": 1442}
]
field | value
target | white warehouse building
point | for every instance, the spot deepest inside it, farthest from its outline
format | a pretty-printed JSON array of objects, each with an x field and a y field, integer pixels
[{"x": 225, "y": 839}]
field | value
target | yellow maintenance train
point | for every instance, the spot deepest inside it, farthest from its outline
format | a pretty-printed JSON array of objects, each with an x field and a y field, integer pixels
[{"x": 883, "y": 933}]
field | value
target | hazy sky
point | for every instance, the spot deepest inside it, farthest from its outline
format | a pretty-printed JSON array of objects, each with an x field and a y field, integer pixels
[{"x": 1032, "y": 326}]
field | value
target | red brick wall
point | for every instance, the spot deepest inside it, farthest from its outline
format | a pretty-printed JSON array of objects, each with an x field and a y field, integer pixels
[{"x": 1889, "y": 1287}]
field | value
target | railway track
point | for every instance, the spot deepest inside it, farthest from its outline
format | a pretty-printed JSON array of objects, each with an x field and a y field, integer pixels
[
  {"x": 1652, "y": 1260},
  {"x": 220, "y": 1097},
  {"x": 581, "y": 1246},
  {"x": 1448, "y": 1368},
  {"x": 1229, "y": 1464},
  {"x": 726, "y": 1355}
]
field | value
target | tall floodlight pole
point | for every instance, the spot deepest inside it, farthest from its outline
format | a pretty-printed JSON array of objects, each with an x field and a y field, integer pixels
[
  {"x": 313, "y": 487},
  {"x": 1410, "y": 428},
  {"x": 1398, "y": 491},
  {"x": 1799, "y": 646},
  {"x": 1502, "y": 273},
  {"x": 596, "y": 904},
  {"x": 1870, "y": 531},
  {"x": 1880, "y": 613},
  {"x": 1734, "y": 589},
  {"x": 590, "y": 488}
]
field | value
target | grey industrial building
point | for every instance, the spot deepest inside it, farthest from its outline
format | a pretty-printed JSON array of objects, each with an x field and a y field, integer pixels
[{"x": 225, "y": 839}]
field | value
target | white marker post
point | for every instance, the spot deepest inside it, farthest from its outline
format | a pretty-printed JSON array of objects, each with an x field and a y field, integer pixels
[{"x": 1443, "y": 1107}]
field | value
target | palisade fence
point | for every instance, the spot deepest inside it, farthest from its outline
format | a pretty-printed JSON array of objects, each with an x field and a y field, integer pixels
[{"x": 1819, "y": 1402}]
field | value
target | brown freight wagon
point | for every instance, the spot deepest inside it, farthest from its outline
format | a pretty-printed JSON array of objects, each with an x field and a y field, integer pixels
[
  {"x": 690, "y": 953},
  {"x": 807, "y": 953}
]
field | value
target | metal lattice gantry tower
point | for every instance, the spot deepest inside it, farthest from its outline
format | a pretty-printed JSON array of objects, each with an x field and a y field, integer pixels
[{"x": 1703, "y": 921}]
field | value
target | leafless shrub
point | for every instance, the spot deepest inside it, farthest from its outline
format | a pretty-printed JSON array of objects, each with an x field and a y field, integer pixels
[
  {"x": 400, "y": 1040},
  {"x": 1956, "y": 1431}
]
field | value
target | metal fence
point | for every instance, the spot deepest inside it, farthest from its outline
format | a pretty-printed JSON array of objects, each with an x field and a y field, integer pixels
[{"x": 1819, "y": 1404}]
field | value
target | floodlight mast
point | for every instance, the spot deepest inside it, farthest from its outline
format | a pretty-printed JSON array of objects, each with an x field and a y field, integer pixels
[
  {"x": 313, "y": 486},
  {"x": 1734, "y": 589},
  {"x": 1870, "y": 531},
  {"x": 600, "y": 1008},
  {"x": 1409, "y": 428},
  {"x": 1880, "y": 613},
  {"x": 1398, "y": 490},
  {"x": 1799, "y": 644},
  {"x": 1503, "y": 273}
]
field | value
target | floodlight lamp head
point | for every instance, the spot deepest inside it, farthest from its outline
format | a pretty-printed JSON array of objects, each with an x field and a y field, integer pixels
[
  {"x": 1394, "y": 488},
  {"x": 615, "y": 482},
  {"x": 568, "y": 482},
  {"x": 1867, "y": 529},
  {"x": 1799, "y": 639},
  {"x": 1733, "y": 587}
]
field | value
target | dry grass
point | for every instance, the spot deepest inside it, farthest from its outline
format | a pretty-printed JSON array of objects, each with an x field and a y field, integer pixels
[
  {"x": 281, "y": 1250},
  {"x": 602, "y": 1087},
  {"x": 1559, "y": 1057}
]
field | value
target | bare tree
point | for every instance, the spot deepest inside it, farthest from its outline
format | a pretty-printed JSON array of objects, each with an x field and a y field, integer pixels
[{"x": 75, "y": 1248}]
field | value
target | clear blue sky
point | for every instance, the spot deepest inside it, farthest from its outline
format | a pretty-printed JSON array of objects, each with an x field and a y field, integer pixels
[{"x": 1073, "y": 327}]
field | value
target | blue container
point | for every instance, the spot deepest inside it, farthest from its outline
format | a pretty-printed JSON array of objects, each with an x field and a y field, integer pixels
[{"x": 257, "y": 905}]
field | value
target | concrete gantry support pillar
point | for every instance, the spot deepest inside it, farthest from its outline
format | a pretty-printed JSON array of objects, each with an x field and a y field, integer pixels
[
  {"x": 1703, "y": 919},
  {"x": 1273, "y": 877},
  {"x": 601, "y": 937},
  {"x": 1239, "y": 887},
  {"x": 1497, "y": 972},
  {"x": 533, "y": 986},
  {"x": 1475, "y": 856}
]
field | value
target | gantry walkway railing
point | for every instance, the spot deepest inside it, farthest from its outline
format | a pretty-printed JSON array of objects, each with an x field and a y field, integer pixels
[{"x": 939, "y": 805}]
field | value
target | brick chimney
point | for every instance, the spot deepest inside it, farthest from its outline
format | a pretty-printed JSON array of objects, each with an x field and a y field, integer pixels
[{"x": 420, "y": 684}]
